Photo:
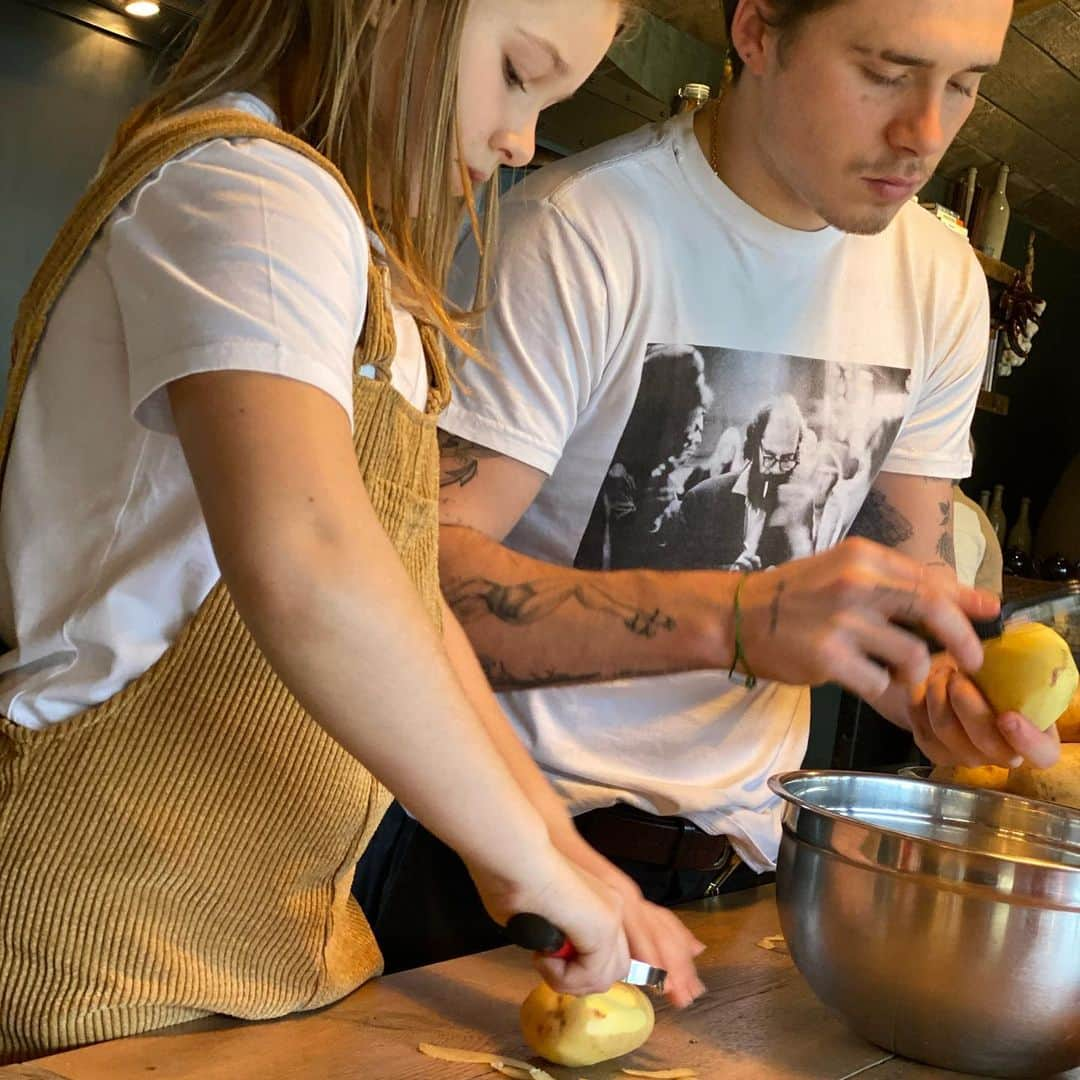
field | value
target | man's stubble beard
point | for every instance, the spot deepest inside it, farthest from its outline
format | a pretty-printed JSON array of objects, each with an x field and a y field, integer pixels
[{"x": 870, "y": 223}]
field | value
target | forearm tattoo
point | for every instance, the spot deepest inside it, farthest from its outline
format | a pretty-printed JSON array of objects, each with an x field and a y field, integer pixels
[
  {"x": 881, "y": 521},
  {"x": 946, "y": 547},
  {"x": 501, "y": 678},
  {"x": 459, "y": 460},
  {"x": 530, "y": 601}
]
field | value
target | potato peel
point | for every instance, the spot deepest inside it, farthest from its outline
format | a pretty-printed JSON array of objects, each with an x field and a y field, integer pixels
[
  {"x": 499, "y": 1062},
  {"x": 510, "y": 1070},
  {"x": 663, "y": 1074}
]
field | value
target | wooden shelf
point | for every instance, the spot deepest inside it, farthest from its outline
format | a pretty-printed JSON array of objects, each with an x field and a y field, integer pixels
[
  {"x": 995, "y": 269},
  {"x": 993, "y": 403}
]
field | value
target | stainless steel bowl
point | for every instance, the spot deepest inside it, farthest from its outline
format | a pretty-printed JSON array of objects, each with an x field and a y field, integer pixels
[
  {"x": 942, "y": 922},
  {"x": 916, "y": 772}
]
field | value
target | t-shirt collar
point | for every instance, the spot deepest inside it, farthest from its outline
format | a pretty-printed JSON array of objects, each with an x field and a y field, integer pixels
[{"x": 720, "y": 199}]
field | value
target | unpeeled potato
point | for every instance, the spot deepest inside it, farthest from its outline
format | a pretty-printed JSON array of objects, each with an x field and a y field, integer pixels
[
  {"x": 1030, "y": 670},
  {"x": 991, "y": 777},
  {"x": 577, "y": 1031},
  {"x": 1058, "y": 784},
  {"x": 1069, "y": 721}
]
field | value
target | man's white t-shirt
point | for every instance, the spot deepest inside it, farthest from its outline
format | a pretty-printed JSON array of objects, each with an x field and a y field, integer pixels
[
  {"x": 704, "y": 388},
  {"x": 238, "y": 255}
]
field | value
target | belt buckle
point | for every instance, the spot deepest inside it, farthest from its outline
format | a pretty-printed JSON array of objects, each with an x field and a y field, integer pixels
[{"x": 728, "y": 867}]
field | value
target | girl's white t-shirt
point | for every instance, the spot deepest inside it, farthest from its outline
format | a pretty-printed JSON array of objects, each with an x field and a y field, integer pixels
[{"x": 238, "y": 255}]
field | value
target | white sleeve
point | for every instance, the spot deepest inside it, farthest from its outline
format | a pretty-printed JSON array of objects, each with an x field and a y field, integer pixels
[
  {"x": 934, "y": 439},
  {"x": 543, "y": 337},
  {"x": 242, "y": 256}
]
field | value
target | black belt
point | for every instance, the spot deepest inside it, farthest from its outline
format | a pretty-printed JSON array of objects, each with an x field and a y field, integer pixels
[{"x": 624, "y": 832}]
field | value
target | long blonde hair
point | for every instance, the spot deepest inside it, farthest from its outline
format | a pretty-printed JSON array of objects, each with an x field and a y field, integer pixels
[{"x": 322, "y": 59}]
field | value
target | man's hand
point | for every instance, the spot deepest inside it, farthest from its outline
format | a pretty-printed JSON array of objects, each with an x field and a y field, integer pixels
[
  {"x": 953, "y": 724},
  {"x": 849, "y": 616}
]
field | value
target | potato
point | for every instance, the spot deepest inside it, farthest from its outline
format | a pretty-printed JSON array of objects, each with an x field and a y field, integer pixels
[
  {"x": 1058, "y": 784},
  {"x": 1030, "y": 670},
  {"x": 981, "y": 776},
  {"x": 1069, "y": 721},
  {"x": 579, "y": 1031}
]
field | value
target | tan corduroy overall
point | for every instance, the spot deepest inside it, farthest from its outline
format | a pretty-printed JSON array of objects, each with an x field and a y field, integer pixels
[{"x": 188, "y": 846}]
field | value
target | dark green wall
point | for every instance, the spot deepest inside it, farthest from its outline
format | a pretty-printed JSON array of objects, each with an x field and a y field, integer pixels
[
  {"x": 1028, "y": 450},
  {"x": 63, "y": 90}
]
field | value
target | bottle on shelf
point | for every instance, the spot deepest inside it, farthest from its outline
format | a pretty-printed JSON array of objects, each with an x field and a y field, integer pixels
[
  {"x": 996, "y": 514},
  {"x": 971, "y": 183},
  {"x": 984, "y": 500},
  {"x": 1020, "y": 534},
  {"x": 992, "y": 222}
]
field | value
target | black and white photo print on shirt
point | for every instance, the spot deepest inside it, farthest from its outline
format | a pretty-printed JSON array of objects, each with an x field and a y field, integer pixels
[{"x": 741, "y": 459}]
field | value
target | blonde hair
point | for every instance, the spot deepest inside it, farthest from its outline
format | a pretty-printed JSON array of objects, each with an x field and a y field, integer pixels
[{"x": 322, "y": 59}]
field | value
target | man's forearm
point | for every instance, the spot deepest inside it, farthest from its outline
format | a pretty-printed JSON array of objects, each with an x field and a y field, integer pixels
[
  {"x": 520, "y": 763},
  {"x": 535, "y": 624},
  {"x": 917, "y": 520}
]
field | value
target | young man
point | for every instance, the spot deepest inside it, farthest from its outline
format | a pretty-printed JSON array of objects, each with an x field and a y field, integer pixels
[{"x": 711, "y": 343}]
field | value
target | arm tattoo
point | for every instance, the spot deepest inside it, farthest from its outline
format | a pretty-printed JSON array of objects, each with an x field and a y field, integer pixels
[
  {"x": 531, "y": 601},
  {"x": 501, "y": 678},
  {"x": 459, "y": 460},
  {"x": 946, "y": 548},
  {"x": 881, "y": 521}
]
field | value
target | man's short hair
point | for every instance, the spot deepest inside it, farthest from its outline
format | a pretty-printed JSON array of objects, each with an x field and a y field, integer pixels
[{"x": 782, "y": 15}]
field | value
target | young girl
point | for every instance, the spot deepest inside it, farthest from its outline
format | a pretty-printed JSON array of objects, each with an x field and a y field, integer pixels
[{"x": 218, "y": 531}]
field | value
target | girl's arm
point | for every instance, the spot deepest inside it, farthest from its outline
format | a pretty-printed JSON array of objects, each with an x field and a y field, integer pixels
[{"x": 323, "y": 592}]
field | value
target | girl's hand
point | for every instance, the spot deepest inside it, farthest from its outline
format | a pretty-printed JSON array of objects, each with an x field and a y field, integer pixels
[
  {"x": 655, "y": 935},
  {"x": 587, "y": 911}
]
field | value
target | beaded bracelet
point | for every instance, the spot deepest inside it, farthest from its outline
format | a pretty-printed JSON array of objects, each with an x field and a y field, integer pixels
[{"x": 750, "y": 679}]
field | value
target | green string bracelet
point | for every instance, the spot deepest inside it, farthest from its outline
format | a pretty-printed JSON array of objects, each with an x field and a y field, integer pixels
[{"x": 750, "y": 679}]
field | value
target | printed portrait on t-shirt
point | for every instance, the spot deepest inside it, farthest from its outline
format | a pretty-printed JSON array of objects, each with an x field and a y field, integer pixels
[{"x": 741, "y": 459}]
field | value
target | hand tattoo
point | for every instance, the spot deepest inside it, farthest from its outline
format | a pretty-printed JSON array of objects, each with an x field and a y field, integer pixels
[{"x": 774, "y": 608}]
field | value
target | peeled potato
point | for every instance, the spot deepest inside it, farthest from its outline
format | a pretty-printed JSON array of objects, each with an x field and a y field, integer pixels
[
  {"x": 981, "y": 776},
  {"x": 1069, "y": 721},
  {"x": 1058, "y": 784},
  {"x": 1030, "y": 670},
  {"x": 578, "y": 1031}
]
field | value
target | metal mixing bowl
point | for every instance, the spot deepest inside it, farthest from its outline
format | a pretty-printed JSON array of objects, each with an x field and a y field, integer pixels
[{"x": 942, "y": 922}]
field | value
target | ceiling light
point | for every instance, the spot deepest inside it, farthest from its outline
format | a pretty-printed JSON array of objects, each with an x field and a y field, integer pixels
[{"x": 143, "y": 9}]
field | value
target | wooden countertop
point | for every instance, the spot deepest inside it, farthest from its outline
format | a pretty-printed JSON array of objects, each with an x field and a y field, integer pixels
[{"x": 759, "y": 1021}]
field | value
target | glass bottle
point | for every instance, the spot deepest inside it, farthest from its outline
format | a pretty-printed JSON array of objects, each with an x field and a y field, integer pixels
[
  {"x": 993, "y": 219},
  {"x": 692, "y": 96},
  {"x": 996, "y": 514},
  {"x": 1020, "y": 533},
  {"x": 984, "y": 500}
]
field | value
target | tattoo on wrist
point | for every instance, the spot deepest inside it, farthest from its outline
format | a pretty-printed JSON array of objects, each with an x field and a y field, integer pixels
[
  {"x": 530, "y": 601},
  {"x": 459, "y": 460},
  {"x": 774, "y": 608},
  {"x": 881, "y": 521}
]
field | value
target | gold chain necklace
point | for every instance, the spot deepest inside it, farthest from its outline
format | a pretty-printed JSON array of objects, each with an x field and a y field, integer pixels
[{"x": 714, "y": 137}]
